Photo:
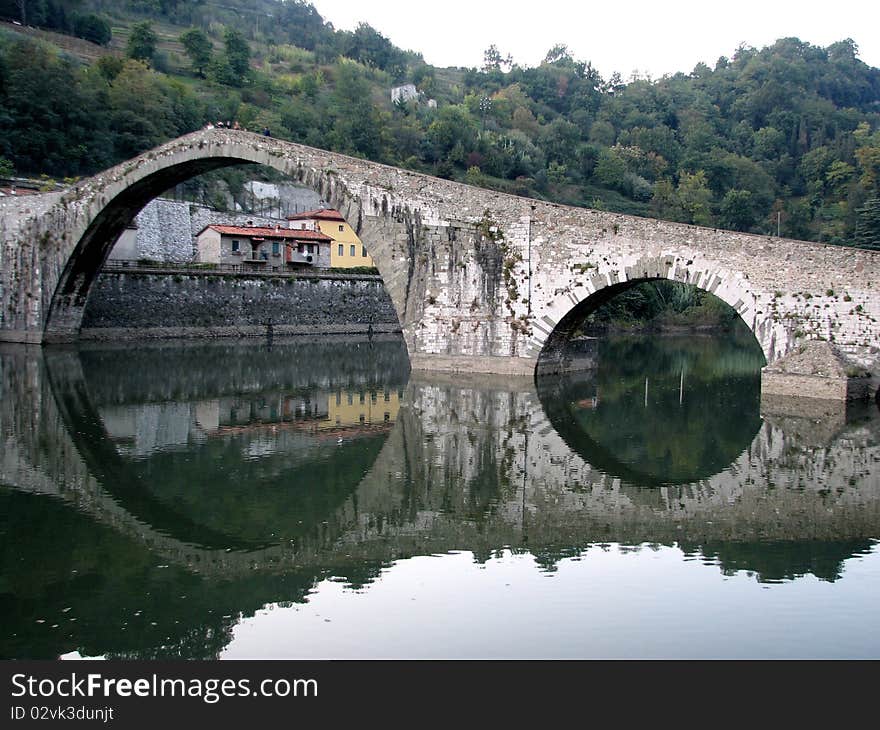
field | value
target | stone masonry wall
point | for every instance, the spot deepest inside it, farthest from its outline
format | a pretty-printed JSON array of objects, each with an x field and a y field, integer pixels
[{"x": 165, "y": 305}]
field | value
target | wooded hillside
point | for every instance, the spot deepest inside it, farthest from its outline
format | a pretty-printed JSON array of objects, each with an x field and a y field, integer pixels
[{"x": 783, "y": 138}]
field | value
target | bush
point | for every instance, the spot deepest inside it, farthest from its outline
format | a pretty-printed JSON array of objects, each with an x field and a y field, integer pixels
[{"x": 92, "y": 28}]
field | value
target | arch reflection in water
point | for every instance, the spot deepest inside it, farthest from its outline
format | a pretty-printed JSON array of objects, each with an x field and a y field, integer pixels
[
  {"x": 153, "y": 499},
  {"x": 268, "y": 444},
  {"x": 658, "y": 410}
]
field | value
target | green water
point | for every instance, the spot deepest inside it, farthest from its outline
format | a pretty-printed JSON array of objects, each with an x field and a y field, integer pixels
[
  {"x": 315, "y": 498},
  {"x": 661, "y": 410}
]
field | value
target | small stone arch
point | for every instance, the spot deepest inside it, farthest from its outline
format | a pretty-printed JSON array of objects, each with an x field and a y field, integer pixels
[
  {"x": 97, "y": 210},
  {"x": 591, "y": 288}
]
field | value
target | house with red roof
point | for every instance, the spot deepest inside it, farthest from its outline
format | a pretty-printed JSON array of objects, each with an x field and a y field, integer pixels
[{"x": 259, "y": 248}]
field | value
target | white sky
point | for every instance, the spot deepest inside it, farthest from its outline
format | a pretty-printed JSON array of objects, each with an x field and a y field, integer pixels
[{"x": 650, "y": 37}]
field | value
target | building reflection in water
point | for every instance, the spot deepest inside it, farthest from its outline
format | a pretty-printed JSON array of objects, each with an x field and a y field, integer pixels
[{"x": 141, "y": 430}]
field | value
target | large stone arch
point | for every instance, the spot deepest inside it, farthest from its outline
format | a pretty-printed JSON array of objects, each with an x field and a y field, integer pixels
[
  {"x": 589, "y": 289},
  {"x": 77, "y": 233}
]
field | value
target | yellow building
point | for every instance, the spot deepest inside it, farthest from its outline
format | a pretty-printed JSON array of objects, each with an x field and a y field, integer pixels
[
  {"x": 346, "y": 251},
  {"x": 363, "y": 408}
]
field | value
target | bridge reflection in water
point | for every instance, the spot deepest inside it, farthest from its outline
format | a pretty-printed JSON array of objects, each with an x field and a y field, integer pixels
[{"x": 152, "y": 498}]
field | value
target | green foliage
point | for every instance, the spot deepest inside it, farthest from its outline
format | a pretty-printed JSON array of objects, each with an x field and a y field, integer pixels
[
  {"x": 141, "y": 45},
  {"x": 473, "y": 176},
  {"x": 737, "y": 210},
  {"x": 199, "y": 49},
  {"x": 786, "y": 134},
  {"x": 238, "y": 53},
  {"x": 693, "y": 197},
  {"x": 92, "y": 28},
  {"x": 356, "y": 121},
  {"x": 868, "y": 225},
  {"x": 662, "y": 305},
  {"x": 371, "y": 48},
  {"x": 372, "y": 270},
  {"x": 110, "y": 67}
]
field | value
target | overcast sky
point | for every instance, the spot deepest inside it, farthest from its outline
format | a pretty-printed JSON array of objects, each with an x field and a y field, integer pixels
[{"x": 650, "y": 37}]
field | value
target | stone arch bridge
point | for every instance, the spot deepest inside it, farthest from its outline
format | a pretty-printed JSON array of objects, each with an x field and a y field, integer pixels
[{"x": 481, "y": 281}]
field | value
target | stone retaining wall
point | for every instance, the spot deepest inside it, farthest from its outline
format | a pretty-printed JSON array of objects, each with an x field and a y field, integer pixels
[{"x": 126, "y": 304}]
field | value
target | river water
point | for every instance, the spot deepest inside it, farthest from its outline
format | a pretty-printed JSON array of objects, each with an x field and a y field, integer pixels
[{"x": 314, "y": 498}]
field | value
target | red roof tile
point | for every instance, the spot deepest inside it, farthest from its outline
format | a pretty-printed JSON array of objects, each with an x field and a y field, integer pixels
[
  {"x": 254, "y": 232},
  {"x": 324, "y": 214}
]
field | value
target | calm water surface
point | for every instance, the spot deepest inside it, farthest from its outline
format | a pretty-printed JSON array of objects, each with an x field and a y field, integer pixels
[{"x": 313, "y": 498}]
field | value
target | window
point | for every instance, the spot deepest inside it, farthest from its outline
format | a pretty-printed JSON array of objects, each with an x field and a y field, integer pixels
[
  {"x": 364, "y": 251},
  {"x": 311, "y": 248},
  {"x": 351, "y": 250},
  {"x": 341, "y": 250},
  {"x": 302, "y": 226},
  {"x": 341, "y": 229},
  {"x": 276, "y": 248},
  {"x": 235, "y": 246}
]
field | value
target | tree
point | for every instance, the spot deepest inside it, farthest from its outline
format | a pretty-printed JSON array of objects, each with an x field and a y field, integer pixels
[
  {"x": 694, "y": 197},
  {"x": 142, "y": 42},
  {"x": 453, "y": 127},
  {"x": 868, "y": 158},
  {"x": 610, "y": 169},
  {"x": 737, "y": 211},
  {"x": 22, "y": 9},
  {"x": 110, "y": 67},
  {"x": 559, "y": 54},
  {"x": 199, "y": 49},
  {"x": 664, "y": 201},
  {"x": 92, "y": 28},
  {"x": 357, "y": 128},
  {"x": 868, "y": 224},
  {"x": 50, "y": 120},
  {"x": 238, "y": 53},
  {"x": 493, "y": 60},
  {"x": 371, "y": 48}
]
